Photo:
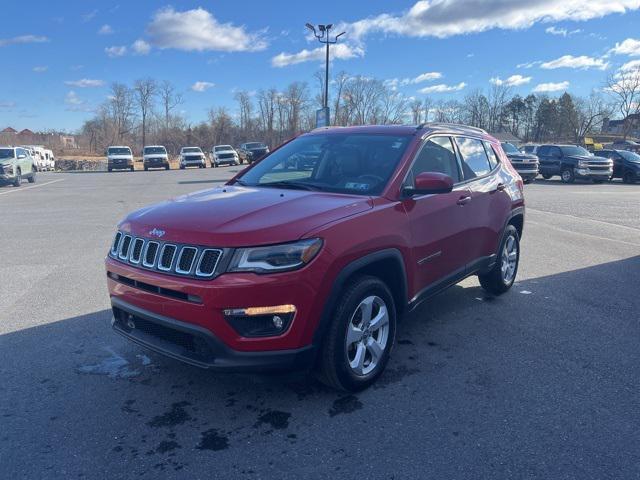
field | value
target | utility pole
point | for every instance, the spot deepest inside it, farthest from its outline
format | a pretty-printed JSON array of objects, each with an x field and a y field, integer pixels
[{"x": 324, "y": 37}]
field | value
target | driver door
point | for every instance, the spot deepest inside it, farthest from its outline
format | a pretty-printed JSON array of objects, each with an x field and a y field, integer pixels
[{"x": 438, "y": 223}]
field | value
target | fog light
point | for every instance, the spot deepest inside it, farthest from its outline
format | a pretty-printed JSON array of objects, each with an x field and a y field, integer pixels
[{"x": 260, "y": 321}]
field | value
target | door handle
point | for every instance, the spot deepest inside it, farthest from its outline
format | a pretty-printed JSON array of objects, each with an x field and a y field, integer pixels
[
  {"x": 464, "y": 200},
  {"x": 500, "y": 187}
]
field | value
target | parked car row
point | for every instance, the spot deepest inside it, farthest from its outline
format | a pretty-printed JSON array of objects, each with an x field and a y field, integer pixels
[
  {"x": 43, "y": 157},
  {"x": 572, "y": 162},
  {"x": 156, "y": 156}
]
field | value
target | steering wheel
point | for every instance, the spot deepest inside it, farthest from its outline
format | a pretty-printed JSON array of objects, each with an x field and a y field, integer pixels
[{"x": 371, "y": 176}]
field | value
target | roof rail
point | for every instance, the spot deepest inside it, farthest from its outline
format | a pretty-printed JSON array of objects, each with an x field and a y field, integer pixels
[
  {"x": 455, "y": 125},
  {"x": 326, "y": 127}
]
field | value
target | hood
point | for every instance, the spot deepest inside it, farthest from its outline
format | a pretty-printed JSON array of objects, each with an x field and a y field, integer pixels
[
  {"x": 233, "y": 216},
  {"x": 519, "y": 157},
  {"x": 155, "y": 155},
  {"x": 120, "y": 157}
]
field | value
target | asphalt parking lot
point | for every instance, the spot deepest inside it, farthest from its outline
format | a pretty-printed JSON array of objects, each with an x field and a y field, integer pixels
[{"x": 540, "y": 383}]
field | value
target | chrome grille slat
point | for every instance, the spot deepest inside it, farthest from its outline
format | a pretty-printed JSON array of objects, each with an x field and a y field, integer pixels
[
  {"x": 184, "y": 264},
  {"x": 165, "y": 257},
  {"x": 167, "y": 254}
]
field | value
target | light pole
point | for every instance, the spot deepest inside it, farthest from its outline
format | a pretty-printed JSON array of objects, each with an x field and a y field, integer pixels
[{"x": 324, "y": 37}]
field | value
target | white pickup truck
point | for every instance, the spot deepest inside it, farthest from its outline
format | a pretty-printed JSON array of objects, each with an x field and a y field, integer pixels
[
  {"x": 155, "y": 156},
  {"x": 119, "y": 158},
  {"x": 192, "y": 157}
]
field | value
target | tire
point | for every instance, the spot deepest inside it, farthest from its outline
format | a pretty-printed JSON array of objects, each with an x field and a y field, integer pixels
[
  {"x": 146, "y": 169},
  {"x": 166, "y": 167},
  {"x": 181, "y": 167},
  {"x": 18, "y": 180},
  {"x": 500, "y": 278},
  {"x": 597, "y": 182},
  {"x": 131, "y": 168},
  {"x": 109, "y": 169},
  {"x": 567, "y": 176},
  {"x": 32, "y": 178},
  {"x": 546, "y": 176},
  {"x": 628, "y": 178},
  {"x": 339, "y": 366}
]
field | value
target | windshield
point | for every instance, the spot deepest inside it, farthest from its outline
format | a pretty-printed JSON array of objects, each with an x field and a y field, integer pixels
[
  {"x": 345, "y": 163},
  {"x": 222, "y": 147},
  {"x": 148, "y": 150},
  {"x": 191, "y": 150},
  {"x": 6, "y": 152},
  {"x": 509, "y": 148},
  {"x": 256, "y": 145},
  {"x": 119, "y": 151},
  {"x": 631, "y": 156},
  {"x": 575, "y": 150}
]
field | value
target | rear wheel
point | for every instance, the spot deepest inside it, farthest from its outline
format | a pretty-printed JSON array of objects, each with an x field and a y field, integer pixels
[
  {"x": 629, "y": 178},
  {"x": 546, "y": 176},
  {"x": 356, "y": 349},
  {"x": 32, "y": 177},
  {"x": 501, "y": 277},
  {"x": 567, "y": 175}
]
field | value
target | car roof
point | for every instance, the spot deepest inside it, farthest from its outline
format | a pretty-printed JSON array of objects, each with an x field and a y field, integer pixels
[
  {"x": 422, "y": 129},
  {"x": 149, "y": 146},
  {"x": 189, "y": 147},
  {"x": 6, "y": 146},
  {"x": 119, "y": 146},
  {"x": 225, "y": 145}
]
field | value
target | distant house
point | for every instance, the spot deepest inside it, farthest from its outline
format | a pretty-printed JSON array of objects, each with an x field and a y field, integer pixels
[
  {"x": 26, "y": 132},
  {"x": 617, "y": 127},
  {"x": 506, "y": 137},
  {"x": 9, "y": 130}
]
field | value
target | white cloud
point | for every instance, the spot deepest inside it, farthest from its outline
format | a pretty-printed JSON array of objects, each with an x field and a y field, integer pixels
[
  {"x": 23, "y": 39},
  {"x": 569, "y": 61},
  {"x": 341, "y": 51},
  {"x": 551, "y": 87},
  {"x": 528, "y": 64},
  {"x": 563, "y": 32},
  {"x": 424, "y": 77},
  {"x": 630, "y": 47},
  {"x": 116, "y": 51},
  {"x": 89, "y": 16},
  {"x": 72, "y": 99},
  {"x": 40, "y": 69},
  {"x": 512, "y": 81},
  {"x": 105, "y": 30},
  {"x": 202, "y": 86},
  {"x": 629, "y": 66},
  {"x": 443, "y": 88},
  {"x": 445, "y": 18},
  {"x": 85, "y": 83},
  {"x": 198, "y": 30},
  {"x": 140, "y": 47}
]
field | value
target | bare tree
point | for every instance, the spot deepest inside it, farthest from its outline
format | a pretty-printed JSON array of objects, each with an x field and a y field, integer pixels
[
  {"x": 339, "y": 82},
  {"x": 624, "y": 87},
  {"x": 145, "y": 91},
  {"x": 590, "y": 113},
  {"x": 416, "y": 111},
  {"x": 498, "y": 98},
  {"x": 120, "y": 107},
  {"x": 170, "y": 99}
]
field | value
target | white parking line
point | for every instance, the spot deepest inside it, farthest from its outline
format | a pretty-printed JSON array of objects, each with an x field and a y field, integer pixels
[{"x": 28, "y": 188}]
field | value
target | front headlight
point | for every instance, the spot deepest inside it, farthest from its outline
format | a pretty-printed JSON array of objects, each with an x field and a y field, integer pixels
[
  {"x": 582, "y": 164},
  {"x": 275, "y": 258}
]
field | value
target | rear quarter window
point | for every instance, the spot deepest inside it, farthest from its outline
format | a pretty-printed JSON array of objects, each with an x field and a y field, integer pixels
[{"x": 475, "y": 162}]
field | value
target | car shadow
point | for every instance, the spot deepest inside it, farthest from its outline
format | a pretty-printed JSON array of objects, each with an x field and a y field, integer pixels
[{"x": 119, "y": 406}]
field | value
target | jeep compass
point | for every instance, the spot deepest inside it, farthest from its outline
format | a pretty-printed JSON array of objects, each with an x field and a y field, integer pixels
[{"x": 308, "y": 258}]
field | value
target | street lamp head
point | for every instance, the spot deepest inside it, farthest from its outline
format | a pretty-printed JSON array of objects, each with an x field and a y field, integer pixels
[
  {"x": 321, "y": 28},
  {"x": 311, "y": 27},
  {"x": 339, "y": 35},
  {"x": 328, "y": 27}
]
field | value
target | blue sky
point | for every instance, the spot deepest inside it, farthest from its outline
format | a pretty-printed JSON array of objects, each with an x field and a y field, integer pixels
[{"x": 60, "y": 57}]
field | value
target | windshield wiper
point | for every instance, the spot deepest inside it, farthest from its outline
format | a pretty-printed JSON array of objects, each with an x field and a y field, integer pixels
[
  {"x": 291, "y": 185},
  {"x": 240, "y": 182}
]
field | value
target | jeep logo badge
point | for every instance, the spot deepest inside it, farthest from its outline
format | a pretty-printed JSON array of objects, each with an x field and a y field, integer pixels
[{"x": 157, "y": 233}]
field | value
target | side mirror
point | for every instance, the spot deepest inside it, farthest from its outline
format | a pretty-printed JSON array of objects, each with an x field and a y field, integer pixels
[{"x": 430, "y": 183}]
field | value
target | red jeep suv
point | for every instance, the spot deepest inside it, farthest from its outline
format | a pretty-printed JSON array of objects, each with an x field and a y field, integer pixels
[{"x": 308, "y": 258}]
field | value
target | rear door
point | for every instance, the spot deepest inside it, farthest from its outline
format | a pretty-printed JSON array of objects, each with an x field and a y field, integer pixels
[
  {"x": 489, "y": 203},
  {"x": 438, "y": 223}
]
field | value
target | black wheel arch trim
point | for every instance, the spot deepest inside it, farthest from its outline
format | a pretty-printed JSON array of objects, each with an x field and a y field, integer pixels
[{"x": 350, "y": 269}]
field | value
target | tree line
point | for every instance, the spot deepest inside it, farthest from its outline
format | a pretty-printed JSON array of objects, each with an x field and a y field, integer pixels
[{"x": 147, "y": 112}]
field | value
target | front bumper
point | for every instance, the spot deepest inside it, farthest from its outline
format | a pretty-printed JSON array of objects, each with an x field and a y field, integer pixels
[
  {"x": 155, "y": 162},
  {"x": 588, "y": 173},
  {"x": 198, "y": 346},
  {"x": 120, "y": 164}
]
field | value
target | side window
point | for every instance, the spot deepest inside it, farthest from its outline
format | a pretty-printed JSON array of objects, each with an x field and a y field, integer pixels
[
  {"x": 19, "y": 151},
  {"x": 493, "y": 158},
  {"x": 474, "y": 158},
  {"x": 436, "y": 155},
  {"x": 556, "y": 152},
  {"x": 544, "y": 150}
]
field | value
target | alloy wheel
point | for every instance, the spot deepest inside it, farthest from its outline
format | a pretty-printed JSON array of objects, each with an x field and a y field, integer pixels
[
  {"x": 367, "y": 335},
  {"x": 509, "y": 259}
]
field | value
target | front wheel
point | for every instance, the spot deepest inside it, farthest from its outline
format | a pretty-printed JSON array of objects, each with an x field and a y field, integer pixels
[
  {"x": 501, "y": 277},
  {"x": 546, "y": 176},
  {"x": 32, "y": 177},
  {"x": 629, "y": 178},
  {"x": 567, "y": 175},
  {"x": 18, "y": 180},
  {"x": 359, "y": 340}
]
